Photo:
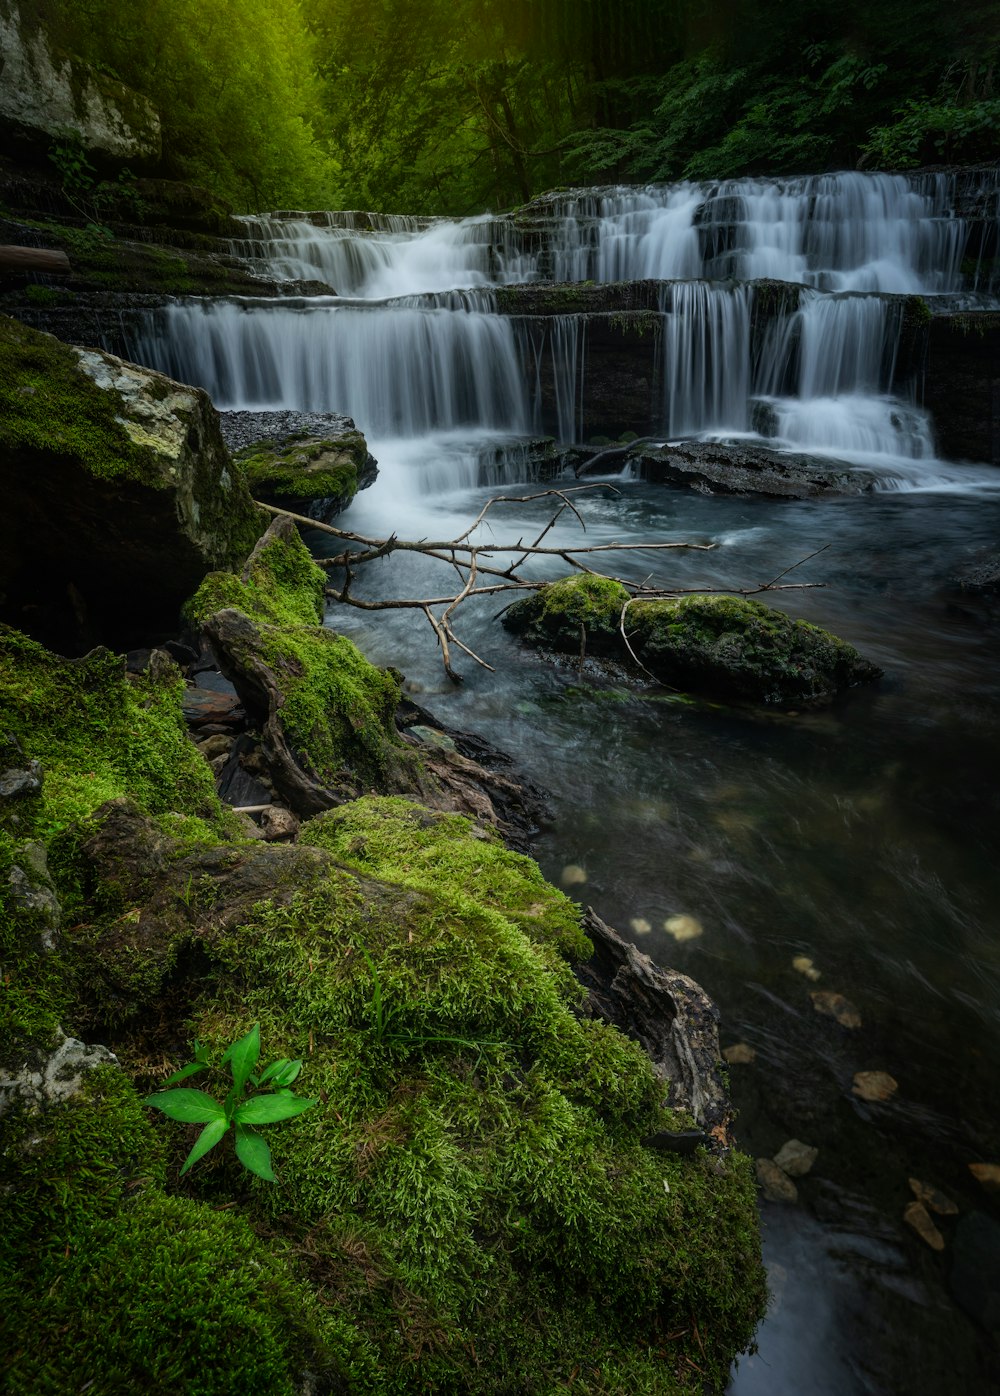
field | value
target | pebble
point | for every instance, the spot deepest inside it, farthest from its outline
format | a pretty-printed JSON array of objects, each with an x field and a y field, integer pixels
[
  {"x": 874, "y": 1085},
  {"x": 740, "y": 1054},
  {"x": 775, "y": 1184},
  {"x": 276, "y": 823},
  {"x": 988, "y": 1174},
  {"x": 933, "y": 1199},
  {"x": 217, "y": 745},
  {"x": 917, "y": 1216},
  {"x": 640, "y": 925},
  {"x": 683, "y": 927},
  {"x": 796, "y": 1158},
  {"x": 836, "y": 1006},
  {"x": 804, "y": 965},
  {"x": 573, "y": 875}
]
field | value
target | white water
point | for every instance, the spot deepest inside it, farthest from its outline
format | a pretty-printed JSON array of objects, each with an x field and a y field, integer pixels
[
  {"x": 836, "y": 232},
  {"x": 414, "y": 346}
]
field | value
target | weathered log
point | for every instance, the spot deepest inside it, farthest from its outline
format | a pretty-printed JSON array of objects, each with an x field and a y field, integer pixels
[
  {"x": 669, "y": 1015},
  {"x": 16, "y": 258}
]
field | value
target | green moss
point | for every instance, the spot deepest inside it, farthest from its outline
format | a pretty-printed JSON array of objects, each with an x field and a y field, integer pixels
[
  {"x": 577, "y": 612},
  {"x": 401, "y": 842},
  {"x": 144, "y": 1291},
  {"x": 478, "y": 1161},
  {"x": 281, "y": 585},
  {"x": 100, "y": 733},
  {"x": 306, "y": 469},
  {"x": 338, "y": 710},
  {"x": 97, "y": 734},
  {"x": 47, "y": 404},
  {"x": 727, "y": 645},
  {"x": 739, "y": 647}
]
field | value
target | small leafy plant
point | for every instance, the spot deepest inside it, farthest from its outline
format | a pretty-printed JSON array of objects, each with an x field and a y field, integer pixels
[{"x": 238, "y": 1111}]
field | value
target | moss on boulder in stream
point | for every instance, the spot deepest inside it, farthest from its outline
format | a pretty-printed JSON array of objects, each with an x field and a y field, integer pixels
[
  {"x": 726, "y": 645},
  {"x": 299, "y": 470}
]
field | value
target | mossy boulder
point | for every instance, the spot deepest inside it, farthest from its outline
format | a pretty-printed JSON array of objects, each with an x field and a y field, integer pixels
[
  {"x": 470, "y": 1207},
  {"x": 729, "y": 646},
  {"x": 310, "y": 471},
  {"x": 326, "y": 715},
  {"x": 120, "y": 495},
  {"x": 740, "y": 648},
  {"x": 578, "y": 614}
]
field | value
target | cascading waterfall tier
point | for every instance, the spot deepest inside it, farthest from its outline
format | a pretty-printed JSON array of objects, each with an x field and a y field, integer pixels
[
  {"x": 415, "y": 342},
  {"x": 894, "y": 233}
]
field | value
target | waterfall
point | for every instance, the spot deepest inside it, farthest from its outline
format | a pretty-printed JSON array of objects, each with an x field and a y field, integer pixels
[
  {"x": 414, "y": 346},
  {"x": 706, "y": 358},
  {"x": 398, "y": 371},
  {"x": 836, "y": 232}
]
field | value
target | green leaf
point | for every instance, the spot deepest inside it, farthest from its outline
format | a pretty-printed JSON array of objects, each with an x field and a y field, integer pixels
[
  {"x": 280, "y": 1073},
  {"x": 190, "y": 1107},
  {"x": 254, "y": 1154},
  {"x": 268, "y": 1109},
  {"x": 242, "y": 1058},
  {"x": 206, "y": 1140},
  {"x": 190, "y": 1070}
]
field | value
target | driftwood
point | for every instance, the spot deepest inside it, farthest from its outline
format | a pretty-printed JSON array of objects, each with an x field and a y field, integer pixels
[
  {"x": 19, "y": 259},
  {"x": 669, "y": 1015}
]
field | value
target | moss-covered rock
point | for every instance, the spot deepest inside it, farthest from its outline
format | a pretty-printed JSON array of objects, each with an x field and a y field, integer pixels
[
  {"x": 156, "y": 502},
  {"x": 739, "y": 648},
  {"x": 325, "y": 713},
  {"x": 92, "y": 733},
  {"x": 472, "y": 1199},
  {"x": 577, "y": 614},
  {"x": 108, "y": 1282},
  {"x": 317, "y": 475},
  {"x": 726, "y": 645}
]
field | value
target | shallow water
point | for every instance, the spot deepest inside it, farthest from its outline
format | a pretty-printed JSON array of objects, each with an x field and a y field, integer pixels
[{"x": 862, "y": 837}]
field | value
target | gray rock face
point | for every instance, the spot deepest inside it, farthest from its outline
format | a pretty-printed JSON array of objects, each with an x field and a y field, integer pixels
[
  {"x": 45, "y": 93},
  {"x": 714, "y": 468},
  {"x": 53, "y": 1078}
]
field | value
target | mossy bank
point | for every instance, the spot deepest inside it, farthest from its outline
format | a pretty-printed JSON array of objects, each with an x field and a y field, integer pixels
[{"x": 469, "y": 1208}]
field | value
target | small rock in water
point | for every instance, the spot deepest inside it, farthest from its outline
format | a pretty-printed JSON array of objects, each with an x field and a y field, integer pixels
[
  {"x": 796, "y": 1158},
  {"x": 683, "y": 927},
  {"x": 740, "y": 1054},
  {"x": 573, "y": 875},
  {"x": 933, "y": 1199},
  {"x": 640, "y": 925},
  {"x": 836, "y": 1006},
  {"x": 874, "y": 1085},
  {"x": 988, "y": 1174},
  {"x": 775, "y": 1184},
  {"x": 917, "y": 1216},
  {"x": 805, "y": 966}
]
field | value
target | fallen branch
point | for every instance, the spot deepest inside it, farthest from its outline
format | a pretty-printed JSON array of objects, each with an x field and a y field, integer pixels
[{"x": 467, "y": 560}]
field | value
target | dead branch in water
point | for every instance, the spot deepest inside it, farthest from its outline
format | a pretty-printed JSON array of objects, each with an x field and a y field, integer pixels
[{"x": 467, "y": 560}]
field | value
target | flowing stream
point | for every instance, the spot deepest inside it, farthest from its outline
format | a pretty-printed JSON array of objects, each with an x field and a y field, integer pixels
[{"x": 858, "y": 841}]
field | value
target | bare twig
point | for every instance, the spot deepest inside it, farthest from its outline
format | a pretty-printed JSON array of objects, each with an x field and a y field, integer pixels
[{"x": 473, "y": 562}]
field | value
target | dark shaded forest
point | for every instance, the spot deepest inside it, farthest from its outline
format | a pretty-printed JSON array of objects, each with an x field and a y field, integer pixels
[{"x": 459, "y": 106}]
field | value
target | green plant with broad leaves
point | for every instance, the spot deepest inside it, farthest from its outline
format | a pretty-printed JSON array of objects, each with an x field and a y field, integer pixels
[{"x": 239, "y": 1111}]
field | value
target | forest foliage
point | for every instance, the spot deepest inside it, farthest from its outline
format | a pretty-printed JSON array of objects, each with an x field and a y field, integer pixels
[{"x": 458, "y": 106}]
